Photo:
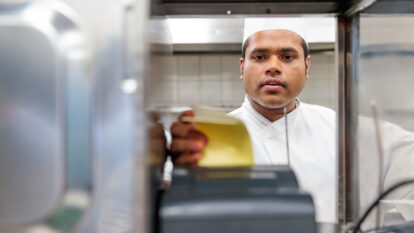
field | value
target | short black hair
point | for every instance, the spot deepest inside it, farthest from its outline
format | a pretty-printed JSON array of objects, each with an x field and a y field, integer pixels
[{"x": 304, "y": 44}]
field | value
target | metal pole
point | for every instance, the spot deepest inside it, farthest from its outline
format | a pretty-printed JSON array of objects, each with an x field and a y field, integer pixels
[{"x": 347, "y": 57}]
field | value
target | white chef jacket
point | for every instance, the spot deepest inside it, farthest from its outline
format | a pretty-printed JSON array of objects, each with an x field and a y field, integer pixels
[{"x": 312, "y": 140}]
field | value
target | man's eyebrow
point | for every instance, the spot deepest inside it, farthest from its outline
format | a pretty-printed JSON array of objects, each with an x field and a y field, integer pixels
[
  {"x": 260, "y": 50},
  {"x": 281, "y": 50},
  {"x": 287, "y": 50}
]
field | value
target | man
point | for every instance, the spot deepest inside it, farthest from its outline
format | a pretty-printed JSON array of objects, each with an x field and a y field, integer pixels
[{"x": 274, "y": 69}]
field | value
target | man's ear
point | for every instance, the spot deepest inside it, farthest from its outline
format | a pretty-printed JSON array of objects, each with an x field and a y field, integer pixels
[
  {"x": 241, "y": 68},
  {"x": 307, "y": 66}
]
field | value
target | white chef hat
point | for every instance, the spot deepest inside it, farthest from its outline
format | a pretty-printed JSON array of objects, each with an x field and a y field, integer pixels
[
  {"x": 311, "y": 29},
  {"x": 253, "y": 25}
]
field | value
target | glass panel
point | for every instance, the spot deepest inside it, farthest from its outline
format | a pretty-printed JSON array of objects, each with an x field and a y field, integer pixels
[
  {"x": 204, "y": 69},
  {"x": 386, "y": 77}
]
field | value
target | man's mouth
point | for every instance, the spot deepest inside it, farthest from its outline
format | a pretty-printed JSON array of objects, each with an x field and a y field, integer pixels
[{"x": 272, "y": 84}]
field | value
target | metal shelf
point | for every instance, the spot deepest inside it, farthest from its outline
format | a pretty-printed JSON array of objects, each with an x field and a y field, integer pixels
[
  {"x": 246, "y": 7},
  {"x": 279, "y": 7}
]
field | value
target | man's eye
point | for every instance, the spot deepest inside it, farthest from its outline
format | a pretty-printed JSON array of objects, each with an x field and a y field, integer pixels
[
  {"x": 258, "y": 58},
  {"x": 288, "y": 57}
]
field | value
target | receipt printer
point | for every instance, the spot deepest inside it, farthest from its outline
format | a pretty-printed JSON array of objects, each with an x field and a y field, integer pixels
[{"x": 226, "y": 200}]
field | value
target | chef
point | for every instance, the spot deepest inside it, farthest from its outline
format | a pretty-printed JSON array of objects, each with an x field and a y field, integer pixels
[{"x": 274, "y": 70}]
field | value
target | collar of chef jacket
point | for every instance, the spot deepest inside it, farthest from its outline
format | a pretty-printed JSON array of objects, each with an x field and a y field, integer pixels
[{"x": 263, "y": 127}]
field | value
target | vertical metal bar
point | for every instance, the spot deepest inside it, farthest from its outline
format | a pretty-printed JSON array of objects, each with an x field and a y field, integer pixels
[
  {"x": 347, "y": 57},
  {"x": 141, "y": 182}
]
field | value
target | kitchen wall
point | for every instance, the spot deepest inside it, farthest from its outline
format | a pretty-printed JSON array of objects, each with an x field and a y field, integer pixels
[{"x": 213, "y": 80}]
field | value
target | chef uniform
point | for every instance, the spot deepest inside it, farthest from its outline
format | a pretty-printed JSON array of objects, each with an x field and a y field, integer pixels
[{"x": 312, "y": 140}]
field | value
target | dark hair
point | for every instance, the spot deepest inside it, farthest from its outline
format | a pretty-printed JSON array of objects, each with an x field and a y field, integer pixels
[{"x": 303, "y": 43}]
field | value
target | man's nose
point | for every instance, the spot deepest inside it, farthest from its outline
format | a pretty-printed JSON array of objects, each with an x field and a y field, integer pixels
[{"x": 273, "y": 67}]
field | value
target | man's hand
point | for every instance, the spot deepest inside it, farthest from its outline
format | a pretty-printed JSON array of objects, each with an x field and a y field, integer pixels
[{"x": 187, "y": 142}]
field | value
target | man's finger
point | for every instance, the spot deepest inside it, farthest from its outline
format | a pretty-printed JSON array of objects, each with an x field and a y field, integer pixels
[
  {"x": 187, "y": 159},
  {"x": 182, "y": 129},
  {"x": 179, "y": 146}
]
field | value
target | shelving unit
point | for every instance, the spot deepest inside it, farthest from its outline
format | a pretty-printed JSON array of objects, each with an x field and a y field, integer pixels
[{"x": 348, "y": 14}]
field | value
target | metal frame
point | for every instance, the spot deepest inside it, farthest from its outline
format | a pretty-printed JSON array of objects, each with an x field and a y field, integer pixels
[
  {"x": 347, "y": 47},
  {"x": 244, "y": 8},
  {"x": 348, "y": 52}
]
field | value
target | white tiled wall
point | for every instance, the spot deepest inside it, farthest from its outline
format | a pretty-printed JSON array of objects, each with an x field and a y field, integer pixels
[
  {"x": 321, "y": 88},
  {"x": 213, "y": 80}
]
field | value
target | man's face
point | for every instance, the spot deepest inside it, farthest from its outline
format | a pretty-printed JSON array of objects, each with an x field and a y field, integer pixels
[{"x": 274, "y": 70}]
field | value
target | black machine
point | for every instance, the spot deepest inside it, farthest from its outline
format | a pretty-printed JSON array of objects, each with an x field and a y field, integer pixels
[{"x": 255, "y": 199}]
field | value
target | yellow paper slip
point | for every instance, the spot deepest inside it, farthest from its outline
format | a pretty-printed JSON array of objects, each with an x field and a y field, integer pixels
[{"x": 228, "y": 140}]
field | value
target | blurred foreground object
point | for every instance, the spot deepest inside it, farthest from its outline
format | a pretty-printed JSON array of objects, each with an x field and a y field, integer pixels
[
  {"x": 72, "y": 138},
  {"x": 225, "y": 200}
]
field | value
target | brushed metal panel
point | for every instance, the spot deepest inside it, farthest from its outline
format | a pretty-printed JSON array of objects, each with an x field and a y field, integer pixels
[
  {"x": 45, "y": 109},
  {"x": 31, "y": 139}
]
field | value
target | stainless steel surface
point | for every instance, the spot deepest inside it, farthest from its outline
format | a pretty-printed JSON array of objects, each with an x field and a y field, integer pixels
[
  {"x": 246, "y": 8},
  {"x": 46, "y": 107},
  {"x": 348, "y": 56},
  {"x": 73, "y": 119},
  {"x": 359, "y": 6}
]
